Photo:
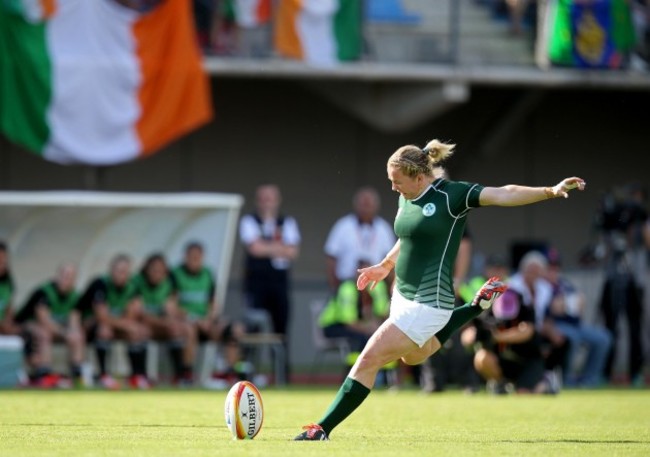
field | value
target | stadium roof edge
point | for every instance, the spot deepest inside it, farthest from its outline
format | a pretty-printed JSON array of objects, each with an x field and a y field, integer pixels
[
  {"x": 81, "y": 198},
  {"x": 555, "y": 78}
]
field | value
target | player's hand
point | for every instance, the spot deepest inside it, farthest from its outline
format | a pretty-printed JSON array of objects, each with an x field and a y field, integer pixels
[
  {"x": 371, "y": 275},
  {"x": 562, "y": 189}
]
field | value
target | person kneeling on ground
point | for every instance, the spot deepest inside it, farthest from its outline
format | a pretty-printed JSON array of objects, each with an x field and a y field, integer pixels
[{"x": 511, "y": 348}]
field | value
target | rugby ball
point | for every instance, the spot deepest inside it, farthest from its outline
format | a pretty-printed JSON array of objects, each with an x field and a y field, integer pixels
[{"x": 244, "y": 411}]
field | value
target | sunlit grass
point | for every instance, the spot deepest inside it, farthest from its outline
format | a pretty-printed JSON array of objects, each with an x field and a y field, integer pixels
[{"x": 191, "y": 423}]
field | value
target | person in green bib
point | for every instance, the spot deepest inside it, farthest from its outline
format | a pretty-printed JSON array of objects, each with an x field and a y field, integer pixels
[
  {"x": 160, "y": 312},
  {"x": 429, "y": 224},
  {"x": 355, "y": 315},
  {"x": 50, "y": 316},
  {"x": 8, "y": 325},
  {"x": 112, "y": 311},
  {"x": 195, "y": 290}
]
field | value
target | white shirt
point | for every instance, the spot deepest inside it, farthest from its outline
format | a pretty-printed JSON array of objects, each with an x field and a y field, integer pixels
[
  {"x": 350, "y": 241},
  {"x": 250, "y": 231}
]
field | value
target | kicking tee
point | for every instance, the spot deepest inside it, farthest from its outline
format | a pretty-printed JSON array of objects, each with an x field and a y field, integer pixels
[{"x": 430, "y": 228}]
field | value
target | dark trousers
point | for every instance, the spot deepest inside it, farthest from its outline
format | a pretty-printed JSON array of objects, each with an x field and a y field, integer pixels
[
  {"x": 621, "y": 295},
  {"x": 356, "y": 339},
  {"x": 272, "y": 297}
]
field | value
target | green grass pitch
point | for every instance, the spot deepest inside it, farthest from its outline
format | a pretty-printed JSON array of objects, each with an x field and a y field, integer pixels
[{"x": 404, "y": 423}]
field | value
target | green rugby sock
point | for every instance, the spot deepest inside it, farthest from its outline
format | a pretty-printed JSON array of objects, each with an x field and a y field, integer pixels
[
  {"x": 350, "y": 396},
  {"x": 459, "y": 317}
]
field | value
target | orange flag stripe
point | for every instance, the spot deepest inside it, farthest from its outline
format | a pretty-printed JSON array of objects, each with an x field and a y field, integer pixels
[
  {"x": 48, "y": 7},
  {"x": 287, "y": 41},
  {"x": 175, "y": 94}
]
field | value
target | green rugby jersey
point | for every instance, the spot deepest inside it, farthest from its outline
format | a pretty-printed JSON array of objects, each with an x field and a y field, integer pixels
[
  {"x": 430, "y": 228},
  {"x": 154, "y": 296},
  {"x": 118, "y": 298},
  {"x": 61, "y": 305},
  {"x": 195, "y": 291}
]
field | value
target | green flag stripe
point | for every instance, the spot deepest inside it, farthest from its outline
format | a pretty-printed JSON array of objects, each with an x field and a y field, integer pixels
[
  {"x": 25, "y": 80},
  {"x": 560, "y": 47},
  {"x": 623, "y": 33},
  {"x": 347, "y": 29}
]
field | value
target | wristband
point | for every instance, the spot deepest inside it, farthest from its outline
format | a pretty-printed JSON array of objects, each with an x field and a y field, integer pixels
[
  {"x": 387, "y": 263},
  {"x": 549, "y": 192}
]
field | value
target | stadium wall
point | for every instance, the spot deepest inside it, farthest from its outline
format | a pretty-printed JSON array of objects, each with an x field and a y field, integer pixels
[{"x": 282, "y": 132}]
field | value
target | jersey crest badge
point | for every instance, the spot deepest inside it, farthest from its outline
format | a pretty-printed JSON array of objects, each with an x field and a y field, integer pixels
[{"x": 429, "y": 209}]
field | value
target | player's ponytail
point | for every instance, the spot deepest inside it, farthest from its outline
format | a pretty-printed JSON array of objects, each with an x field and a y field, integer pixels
[
  {"x": 438, "y": 151},
  {"x": 412, "y": 160}
]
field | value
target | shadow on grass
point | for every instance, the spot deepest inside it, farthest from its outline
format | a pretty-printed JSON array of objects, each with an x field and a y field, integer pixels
[
  {"x": 115, "y": 425},
  {"x": 575, "y": 441}
]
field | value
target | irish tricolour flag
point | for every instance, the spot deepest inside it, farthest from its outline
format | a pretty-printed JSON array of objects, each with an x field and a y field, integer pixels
[
  {"x": 99, "y": 81},
  {"x": 320, "y": 32}
]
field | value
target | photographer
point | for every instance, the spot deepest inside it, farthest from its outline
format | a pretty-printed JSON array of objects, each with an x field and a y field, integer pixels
[
  {"x": 625, "y": 230},
  {"x": 510, "y": 347}
]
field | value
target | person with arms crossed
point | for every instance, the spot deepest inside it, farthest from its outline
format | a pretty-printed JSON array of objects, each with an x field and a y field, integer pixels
[
  {"x": 429, "y": 224},
  {"x": 272, "y": 244}
]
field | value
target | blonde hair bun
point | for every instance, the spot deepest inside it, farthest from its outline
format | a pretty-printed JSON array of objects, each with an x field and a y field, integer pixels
[{"x": 438, "y": 151}]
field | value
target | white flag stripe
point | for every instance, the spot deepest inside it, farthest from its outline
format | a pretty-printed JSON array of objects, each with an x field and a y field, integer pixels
[
  {"x": 33, "y": 10},
  {"x": 89, "y": 112},
  {"x": 245, "y": 12},
  {"x": 314, "y": 26}
]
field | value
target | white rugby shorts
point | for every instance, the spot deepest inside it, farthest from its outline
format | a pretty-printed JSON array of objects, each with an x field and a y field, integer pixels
[{"x": 419, "y": 322}]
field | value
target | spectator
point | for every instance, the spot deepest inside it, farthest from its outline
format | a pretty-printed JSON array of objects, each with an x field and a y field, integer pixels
[
  {"x": 537, "y": 292},
  {"x": 195, "y": 290},
  {"x": 111, "y": 311},
  {"x": 355, "y": 315},
  {"x": 641, "y": 18},
  {"x": 625, "y": 228},
  {"x": 49, "y": 316},
  {"x": 253, "y": 32},
  {"x": 566, "y": 310},
  {"x": 511, "y": 350},
  {"x": 272, "y": 243},
  {"x": 517, "y": 11},
  {"x": 361, "y": 235},
  {"x": 215, "y": 26},
  {"x": 160, "y": 312},
  {"x": 495, "y": 266},
  {"x": 7, "y": 324}
]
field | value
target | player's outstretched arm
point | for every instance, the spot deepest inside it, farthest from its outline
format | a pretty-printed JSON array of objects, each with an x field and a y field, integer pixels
[{"x": 514, "y": 195}]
